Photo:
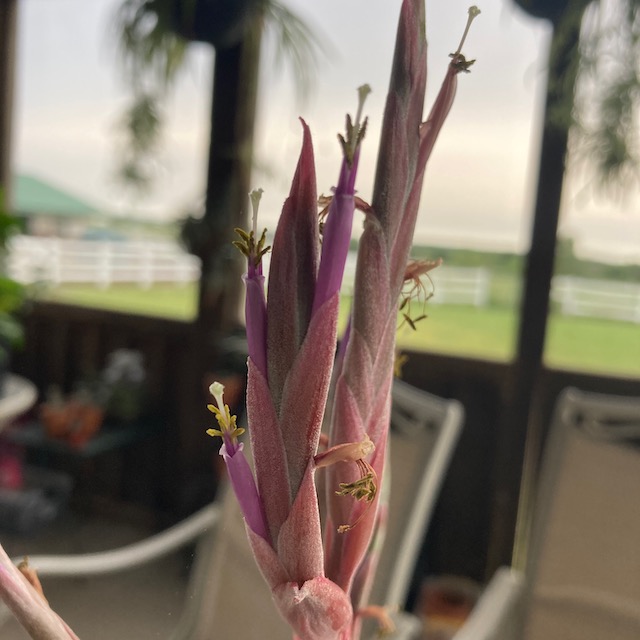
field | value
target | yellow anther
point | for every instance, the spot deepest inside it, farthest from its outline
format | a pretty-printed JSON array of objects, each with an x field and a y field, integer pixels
[
  {"x": 355, "y": 130},
  {"x": 398, "y": 363},
  {"x": 248, "y": 245},
  {"x": 226, "y": 421},
  {"x": 365, "y": 487}
]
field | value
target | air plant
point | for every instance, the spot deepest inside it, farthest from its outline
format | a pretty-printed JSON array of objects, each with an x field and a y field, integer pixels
[
  {"x": 320, "y": 576},
  {"x": 320, "y": 579}
]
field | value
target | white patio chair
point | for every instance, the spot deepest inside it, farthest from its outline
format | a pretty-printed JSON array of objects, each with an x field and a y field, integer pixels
[
  {"x": 582, "y": 576},
  {"x": 227, "y": 597}
]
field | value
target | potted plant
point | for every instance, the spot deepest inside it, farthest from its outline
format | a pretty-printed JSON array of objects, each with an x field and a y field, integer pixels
[{"x": 153, "y": 36}]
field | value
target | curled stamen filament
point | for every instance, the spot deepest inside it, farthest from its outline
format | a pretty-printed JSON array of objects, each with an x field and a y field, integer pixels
[
  {"x": 366, "y": 486},
  {"x": 363, "y": 489}
]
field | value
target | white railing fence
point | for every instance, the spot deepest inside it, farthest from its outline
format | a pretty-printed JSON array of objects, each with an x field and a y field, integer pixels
[
  {"x": 102, "y": 263},
  {"x": 597, "y": 298},
  {"x": 461, "y": 285}
]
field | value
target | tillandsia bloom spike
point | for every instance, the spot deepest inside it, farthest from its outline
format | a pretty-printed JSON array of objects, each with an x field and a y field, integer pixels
[
  {"x": 321, "y": 590},
  {"x": 28, "y": 604}
]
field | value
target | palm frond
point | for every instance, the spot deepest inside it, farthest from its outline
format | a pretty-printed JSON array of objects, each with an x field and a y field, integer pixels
[
  {"x": 608, "y": 92},
  {"x": 296, "y": 42}
]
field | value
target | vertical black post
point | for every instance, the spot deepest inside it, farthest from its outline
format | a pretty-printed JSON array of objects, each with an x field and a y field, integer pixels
[
  {"x": 221, "y": 291},
  {"x": 233, "y": 112},
  {"x": 520, "y": 406}
]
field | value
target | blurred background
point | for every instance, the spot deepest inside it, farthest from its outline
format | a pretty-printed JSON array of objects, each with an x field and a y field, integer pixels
[{"x": 131, "y": 134}]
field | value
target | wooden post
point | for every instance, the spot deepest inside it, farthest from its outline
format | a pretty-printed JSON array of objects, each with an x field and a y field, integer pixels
[
  {"x": 221, "y": 290},
  {"x": 521, "y": 424},
  {"x": 229, "y": 182},
  {"x": 8, "y": 20}
]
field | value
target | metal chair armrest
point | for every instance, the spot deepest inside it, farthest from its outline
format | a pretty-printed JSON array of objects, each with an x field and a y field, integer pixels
[{"x": 132, "y": 555}]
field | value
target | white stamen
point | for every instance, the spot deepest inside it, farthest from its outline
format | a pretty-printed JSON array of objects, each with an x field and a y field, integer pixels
[
  {"x": 255, "y": 197},
  {"x": 363, "y": 92},
  {"x": 217, "y": 390},
  {"x": 474, "y": 12}
]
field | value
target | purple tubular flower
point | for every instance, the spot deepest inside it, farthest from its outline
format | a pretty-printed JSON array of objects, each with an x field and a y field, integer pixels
[
  {"x": 255, "y": 303},
  {"x": 256, "y": 318},
  {"x": 337, "y": 230},
  {"x": 240, "y": 474},
  {"x": 244, "y": 487}
]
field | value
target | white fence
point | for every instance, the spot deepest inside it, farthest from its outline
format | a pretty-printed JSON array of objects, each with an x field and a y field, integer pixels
[
  {"x": 461, "y": 285},
  {"x": 597, "y": 298},
  {"x": 58, "y": 261}
]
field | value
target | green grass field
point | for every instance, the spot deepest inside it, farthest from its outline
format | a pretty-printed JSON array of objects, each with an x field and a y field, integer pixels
[
  {"x": 169, "y": 301},
  {"x": 461, "y": 330},
  {"x": 591, "y": 344},
  {"x": 583, "y": 344}
]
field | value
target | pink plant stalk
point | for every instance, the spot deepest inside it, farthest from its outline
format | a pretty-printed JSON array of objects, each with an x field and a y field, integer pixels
[
  {"x": 28, "y": 604},
  {"x": 320, "y": 580}
]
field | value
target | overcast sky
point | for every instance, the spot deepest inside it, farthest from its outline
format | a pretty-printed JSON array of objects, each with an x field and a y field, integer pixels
[{"x": 480, "y": 181}]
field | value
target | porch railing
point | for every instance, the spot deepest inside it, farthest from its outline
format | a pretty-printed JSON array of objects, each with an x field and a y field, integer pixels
[
  {"x": 597, "y": 298},
  {"x": 59, "y": 261}
]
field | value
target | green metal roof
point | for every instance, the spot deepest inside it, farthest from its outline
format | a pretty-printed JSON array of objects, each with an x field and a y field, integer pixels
[{"x": 34, "y": 196}]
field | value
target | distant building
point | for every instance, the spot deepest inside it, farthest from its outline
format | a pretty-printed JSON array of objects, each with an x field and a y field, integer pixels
[{"x": 50, "y": 211}]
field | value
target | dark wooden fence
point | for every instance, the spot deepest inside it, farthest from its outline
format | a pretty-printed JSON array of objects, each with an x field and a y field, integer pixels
[
  {"x": 172, "y": 470},
  {"x": 176, "y": 471}
]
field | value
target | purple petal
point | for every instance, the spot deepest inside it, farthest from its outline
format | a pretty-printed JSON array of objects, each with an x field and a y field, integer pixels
[
  {"x": 245, "y": 489},
  {"x": 256, "y": 319},
  {"x": 337, "y": 235}
]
